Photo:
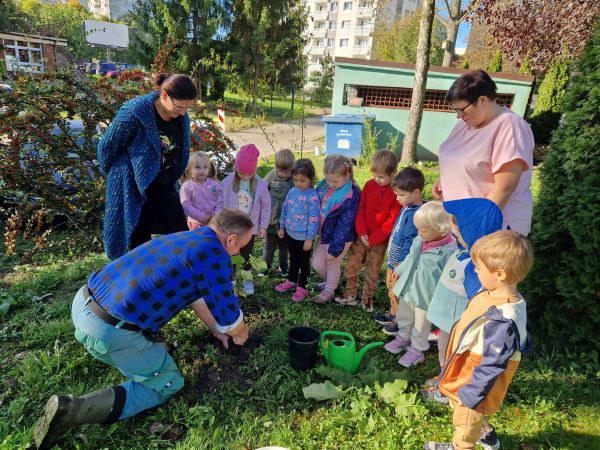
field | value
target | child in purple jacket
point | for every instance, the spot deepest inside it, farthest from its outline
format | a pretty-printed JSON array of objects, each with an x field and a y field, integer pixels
[
  {"x": 199, "y": 194},
  {"x": 245, "y": 190}
]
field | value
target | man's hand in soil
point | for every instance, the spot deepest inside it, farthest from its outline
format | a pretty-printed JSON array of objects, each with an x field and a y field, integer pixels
[{"x": 221, "y": 337}]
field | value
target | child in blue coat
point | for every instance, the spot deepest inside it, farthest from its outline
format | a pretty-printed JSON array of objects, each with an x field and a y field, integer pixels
[
  {"x": 340, "y": 198},
  {"x": 474, "y": 218}
]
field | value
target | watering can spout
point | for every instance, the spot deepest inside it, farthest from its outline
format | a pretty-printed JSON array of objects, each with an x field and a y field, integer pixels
[{"x": 365, "y": 349}]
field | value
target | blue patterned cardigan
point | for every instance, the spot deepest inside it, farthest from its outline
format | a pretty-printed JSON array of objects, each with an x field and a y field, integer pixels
[{"x": 129, "y": 155}]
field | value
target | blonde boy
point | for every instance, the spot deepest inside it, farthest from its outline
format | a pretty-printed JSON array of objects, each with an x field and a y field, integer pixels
[{"x": 486, "y": 343}]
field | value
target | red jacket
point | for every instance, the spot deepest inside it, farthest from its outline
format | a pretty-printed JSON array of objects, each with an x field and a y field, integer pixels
[{"x": 377, "y": 213}]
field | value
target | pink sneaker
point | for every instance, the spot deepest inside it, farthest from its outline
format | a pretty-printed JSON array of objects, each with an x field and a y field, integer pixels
[
  {"x": 412, "y": 357},
  {"x": 321, "y": 286},
  {"x": 325, "y": 296},
  {"x": 300, "y": 294},
  {"x": 286, "y": 286},
  {"x": 396, "y": 345}
]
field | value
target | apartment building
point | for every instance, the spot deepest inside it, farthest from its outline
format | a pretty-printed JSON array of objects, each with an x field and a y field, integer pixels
[
  {"x": 113, "y": 9},
  {"x": 345, "y": 27}
]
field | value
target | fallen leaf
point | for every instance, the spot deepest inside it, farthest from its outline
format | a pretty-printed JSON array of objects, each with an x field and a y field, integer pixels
[{"x": 322, "y": 391}]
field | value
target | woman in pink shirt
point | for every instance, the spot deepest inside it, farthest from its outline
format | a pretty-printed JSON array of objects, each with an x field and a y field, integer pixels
[{"x": 489, "y": 153}]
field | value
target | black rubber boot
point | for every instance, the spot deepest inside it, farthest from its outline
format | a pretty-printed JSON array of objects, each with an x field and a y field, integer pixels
[{"x": 64, "y": 411}]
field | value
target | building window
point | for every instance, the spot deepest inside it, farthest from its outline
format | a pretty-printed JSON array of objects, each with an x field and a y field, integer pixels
[
  {"x": 343, "y": 42},
  {"x": 332, "y": 25},
  {"x": 400, "y": 98},
  {"x": 318, "y": 43},
  {"x": 330, "y": 42},
  {"x": 362, "y": 42},
  {"x": 321, "y": 8},
  {"x": 345, "y": 25},
  {"x": 316, "y": 60},
  {"x": 23, "y": 56},
  {"x": 333, "y": 7},
  {"x": 347, "y": 6}
]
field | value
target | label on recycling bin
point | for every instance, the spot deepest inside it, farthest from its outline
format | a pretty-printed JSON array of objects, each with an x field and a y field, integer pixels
[{"x": 343, "y": 143}]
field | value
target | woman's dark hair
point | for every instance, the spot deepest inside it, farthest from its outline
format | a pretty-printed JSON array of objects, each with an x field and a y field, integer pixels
[
  {"x": 471, "y": 86},
  {"x": 304, "y": 167},
  {"x": 179, "y": 87}
]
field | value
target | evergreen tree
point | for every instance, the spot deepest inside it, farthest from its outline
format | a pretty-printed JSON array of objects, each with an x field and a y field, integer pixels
[
  {"x": 547, "y": 111},
  {"x": 496, "y": 62},
  {"x": 196, "y": 25},
  {"x": 563, "y": 287},
  {"x": 266, "y": 36}
]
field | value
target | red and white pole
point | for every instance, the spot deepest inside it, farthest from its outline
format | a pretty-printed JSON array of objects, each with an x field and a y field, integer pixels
[{"x": 221, "y": 114}]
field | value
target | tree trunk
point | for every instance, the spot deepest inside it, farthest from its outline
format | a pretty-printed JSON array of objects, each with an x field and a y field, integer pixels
[
  {"x": 255, "y": 89},
  {"x": 409, "y": 148},
  {"x": 452, "y": 28},
  {"x": 293, "y": 96}
]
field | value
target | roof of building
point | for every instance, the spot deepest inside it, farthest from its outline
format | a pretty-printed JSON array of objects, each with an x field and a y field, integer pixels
[
  {"x": 33, "y": 38},
  {"x": 438, "y": 69}
]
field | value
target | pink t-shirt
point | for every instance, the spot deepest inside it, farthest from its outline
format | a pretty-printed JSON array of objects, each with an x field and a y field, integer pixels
[{"x": 470, "y": 157}]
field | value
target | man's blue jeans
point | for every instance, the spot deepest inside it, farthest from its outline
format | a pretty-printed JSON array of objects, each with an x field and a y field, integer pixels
[{"x": 153, "y": 375}]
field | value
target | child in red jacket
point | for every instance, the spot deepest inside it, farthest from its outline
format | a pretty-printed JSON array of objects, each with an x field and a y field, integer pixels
[{"x": 376, "y": 216}]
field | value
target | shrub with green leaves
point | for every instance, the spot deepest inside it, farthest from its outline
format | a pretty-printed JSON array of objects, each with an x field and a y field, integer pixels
[
  {"x": 563, "y": 287},
  {"x": 48, "y": 166},
  {"x": 496, "y": 62},
  {"x": 547, "y": 111}
]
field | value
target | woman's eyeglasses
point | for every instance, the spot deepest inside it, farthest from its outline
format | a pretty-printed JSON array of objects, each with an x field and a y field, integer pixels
[
  {"x": 461, "y": 111},
  {"x": 179, "y": 107}
]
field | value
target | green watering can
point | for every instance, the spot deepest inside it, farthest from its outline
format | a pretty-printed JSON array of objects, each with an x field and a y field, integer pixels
[{"x": 341, "y": 353}]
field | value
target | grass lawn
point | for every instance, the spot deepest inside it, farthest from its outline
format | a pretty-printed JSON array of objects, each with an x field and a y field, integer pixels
[
  {"x": 254, "y": 398},
  {"x": 280, "y": 111}
]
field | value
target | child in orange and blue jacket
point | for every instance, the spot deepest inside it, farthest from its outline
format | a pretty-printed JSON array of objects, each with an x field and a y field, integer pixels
[{"x": 486, "y": 344}]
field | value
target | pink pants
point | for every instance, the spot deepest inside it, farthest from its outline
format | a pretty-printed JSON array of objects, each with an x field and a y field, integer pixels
[{"x": 330, "y": 271}]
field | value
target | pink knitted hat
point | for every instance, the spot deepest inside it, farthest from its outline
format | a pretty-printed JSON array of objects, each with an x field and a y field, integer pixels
[{"x": 247, "y": 159}]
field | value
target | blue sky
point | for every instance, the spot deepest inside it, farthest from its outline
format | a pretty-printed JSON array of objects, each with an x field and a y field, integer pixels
[
  {"x": 463, "y": 29},
  {"x": 463, "y": 35}
]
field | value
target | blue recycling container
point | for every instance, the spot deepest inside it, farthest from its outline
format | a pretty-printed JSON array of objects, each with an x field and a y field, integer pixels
[{"x": 343, "y": 134}]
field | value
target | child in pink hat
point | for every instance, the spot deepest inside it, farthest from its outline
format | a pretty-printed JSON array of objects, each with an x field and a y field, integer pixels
[{"x": 245, "y": 190}]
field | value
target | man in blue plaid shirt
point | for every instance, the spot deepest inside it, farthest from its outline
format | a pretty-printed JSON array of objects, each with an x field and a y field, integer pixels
[{"x": 141, "y": 292}]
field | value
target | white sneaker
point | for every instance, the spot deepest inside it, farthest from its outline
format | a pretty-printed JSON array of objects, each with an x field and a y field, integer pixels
[{"x": 248, "y": 287}]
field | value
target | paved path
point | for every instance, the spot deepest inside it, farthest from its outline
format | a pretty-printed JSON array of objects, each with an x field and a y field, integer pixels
[{"x": 282, "y": 135}]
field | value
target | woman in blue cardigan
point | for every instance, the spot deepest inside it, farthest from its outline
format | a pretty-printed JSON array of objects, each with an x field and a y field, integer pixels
[{"x": 143, "y": 153}]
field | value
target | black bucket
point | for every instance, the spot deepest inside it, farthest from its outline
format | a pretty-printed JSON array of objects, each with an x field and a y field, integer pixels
[{"x": 303, "y": 347}]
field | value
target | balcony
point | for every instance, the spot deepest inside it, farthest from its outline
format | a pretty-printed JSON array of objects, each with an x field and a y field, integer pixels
[
  {"x": 364, "y": 12},
  {"x": 319, "y": 15},
  {"x": 319, "y": 32},
  {"x": 365, "y": 30},
  {"x": 314, "y": 50},
  {"x": 363, "y": 51}
]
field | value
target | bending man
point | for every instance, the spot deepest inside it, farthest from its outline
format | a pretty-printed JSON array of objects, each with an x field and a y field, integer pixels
[{"x": 142, "y": 291}]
